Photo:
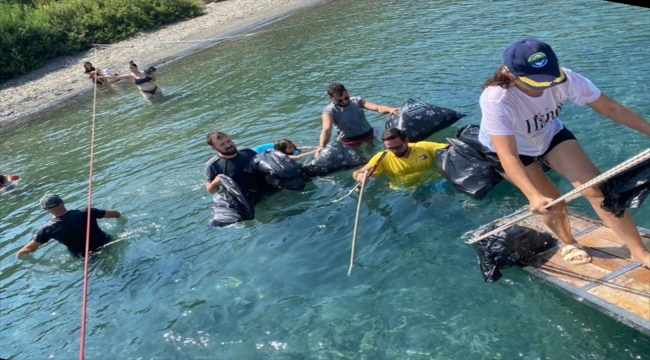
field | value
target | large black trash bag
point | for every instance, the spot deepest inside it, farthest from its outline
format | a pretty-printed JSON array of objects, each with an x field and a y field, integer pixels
[
  {"x": 466, "y": 169},
  {"x": 512, "y": 246},
  {"x": 469, "y": 135},
  {"x": 230, "y": 205},
  {"x": 627, "y": 190},
  {"x": 420, "y": 120},
  {"x": 278, "y": 170},
  {"x": 333, "y": 157}
]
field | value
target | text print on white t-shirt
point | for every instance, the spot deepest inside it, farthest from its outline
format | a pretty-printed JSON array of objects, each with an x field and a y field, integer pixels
[{"x": 540, "y": 121}]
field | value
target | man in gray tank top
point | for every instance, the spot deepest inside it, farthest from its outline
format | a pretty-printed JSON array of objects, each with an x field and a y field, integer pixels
[{"x": 346, "y": 114}]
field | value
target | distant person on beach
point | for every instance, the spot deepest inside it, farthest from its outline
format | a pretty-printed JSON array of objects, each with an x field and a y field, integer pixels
[
  {"x": 94, "y": 74},
  {"x": 520, "y": 125},
  {"x": 231, "y": 162},
  {"x": 346, "y": 114},
  {"x": 69, "y": 227},
  {"x": 145, "y": 81},
  {"x": 406, "y": 164}
]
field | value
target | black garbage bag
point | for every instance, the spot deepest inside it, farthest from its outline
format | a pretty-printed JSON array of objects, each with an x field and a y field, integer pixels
[
  {"x": 466, "y": 169},
  {"x": 626, "y": 190},
  {"x": 512, "y": 246},
  {"x": 230, "y": 205},
  {"x": 333, "y": 157},
  {"x": 278, "y": 170},
  {"x": 469, "y": 135},
  {"x": 420, "y": 120}
]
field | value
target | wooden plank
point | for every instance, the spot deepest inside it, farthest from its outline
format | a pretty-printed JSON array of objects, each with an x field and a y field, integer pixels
[
  {"x": 607, "y": 233},
  {"x": 645, "y": 233},
  {"x": 579, "y": 223},
  {"x": 627, "y": 293},
  {"x": 597, "y": 239},
  {"x": 606, "y": 254},
  {"x": 606, "y": 283},
  {"x": 615, "y": 312},
  {"x": 611, "y": 263},
  {"x": 641, "y": 272},
  {"x": 605, "y": 245},
  {"x": 613, "y": 274},
  {"x": 553, "y": 264},
  {"x": 600, "y": 238}
]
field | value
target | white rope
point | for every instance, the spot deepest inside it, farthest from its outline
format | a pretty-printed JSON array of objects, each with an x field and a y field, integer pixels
[
  {"x": 95, "y": 85},
  {"x": 356, "y": 222},
  {"x": 575, "y": 193},
  {"x": 348, "y": 194},
  {"x": 356, "y": 187},
  {"x": 111, "y": 243}
]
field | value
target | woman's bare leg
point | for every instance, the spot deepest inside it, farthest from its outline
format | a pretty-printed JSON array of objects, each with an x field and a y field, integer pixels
[
  {"x": 557, "y": 219},
  {"x": 568, "y": 159}
]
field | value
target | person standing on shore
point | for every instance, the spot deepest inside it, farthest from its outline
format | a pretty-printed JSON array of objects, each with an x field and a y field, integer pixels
[
  {"x": 145, "y": 81},
  {"x": 520, "y": 125},
  {"x": 347, "y": 115},
  {"x": 69, "y": 227}
]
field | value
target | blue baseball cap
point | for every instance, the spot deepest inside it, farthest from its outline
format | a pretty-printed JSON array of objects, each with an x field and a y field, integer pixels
[{"x": 534, "y": 63}]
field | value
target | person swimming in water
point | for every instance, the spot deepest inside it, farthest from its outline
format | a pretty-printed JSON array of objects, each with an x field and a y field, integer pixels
[
  {"x": 70, "y": 227},
  {"x": 145, "y": 81},
  {"x": 291, "y": 150},
  {"x": 7, "y": 181},
  {"x": 287, "y": 147},
  {"x": 95, "y": 75}
]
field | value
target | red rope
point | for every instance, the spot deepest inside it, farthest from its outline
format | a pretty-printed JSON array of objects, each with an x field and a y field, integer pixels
[{"x": 84, "y": 297}]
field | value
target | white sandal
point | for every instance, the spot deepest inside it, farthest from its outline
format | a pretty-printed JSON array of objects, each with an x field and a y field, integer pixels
[{"x": 572, "y": 251}]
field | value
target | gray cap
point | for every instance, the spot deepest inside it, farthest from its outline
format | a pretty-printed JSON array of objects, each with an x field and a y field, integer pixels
[{"x": 49, "y": 201}]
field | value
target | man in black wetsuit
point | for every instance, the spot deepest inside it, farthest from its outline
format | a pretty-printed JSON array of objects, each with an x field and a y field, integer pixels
[
  {"x": 69, "y": 227},
  {"x": 231, "y": 162}
]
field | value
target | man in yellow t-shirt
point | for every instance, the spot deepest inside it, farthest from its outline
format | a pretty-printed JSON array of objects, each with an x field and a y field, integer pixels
[{"x": 405, "y": 164}]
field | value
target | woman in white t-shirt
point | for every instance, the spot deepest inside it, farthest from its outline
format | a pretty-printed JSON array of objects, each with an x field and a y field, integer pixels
[{"x": 520, "y": 107}]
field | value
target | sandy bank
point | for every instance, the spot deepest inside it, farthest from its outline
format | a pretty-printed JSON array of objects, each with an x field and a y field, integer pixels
[{"x": 62, "y": 79}]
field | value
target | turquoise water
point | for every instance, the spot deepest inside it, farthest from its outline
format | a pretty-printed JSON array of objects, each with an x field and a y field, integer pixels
[{"x": 276, "y": 287}]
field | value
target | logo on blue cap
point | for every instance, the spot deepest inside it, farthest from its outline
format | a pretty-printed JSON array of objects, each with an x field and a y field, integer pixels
[{"x": 538, "y": 60}]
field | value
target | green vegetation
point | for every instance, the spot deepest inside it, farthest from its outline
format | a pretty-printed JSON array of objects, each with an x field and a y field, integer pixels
[{"x": 34, "y": 31}]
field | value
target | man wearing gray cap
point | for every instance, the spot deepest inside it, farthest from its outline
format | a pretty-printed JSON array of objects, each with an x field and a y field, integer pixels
[{"x": 69, "y": 227}]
